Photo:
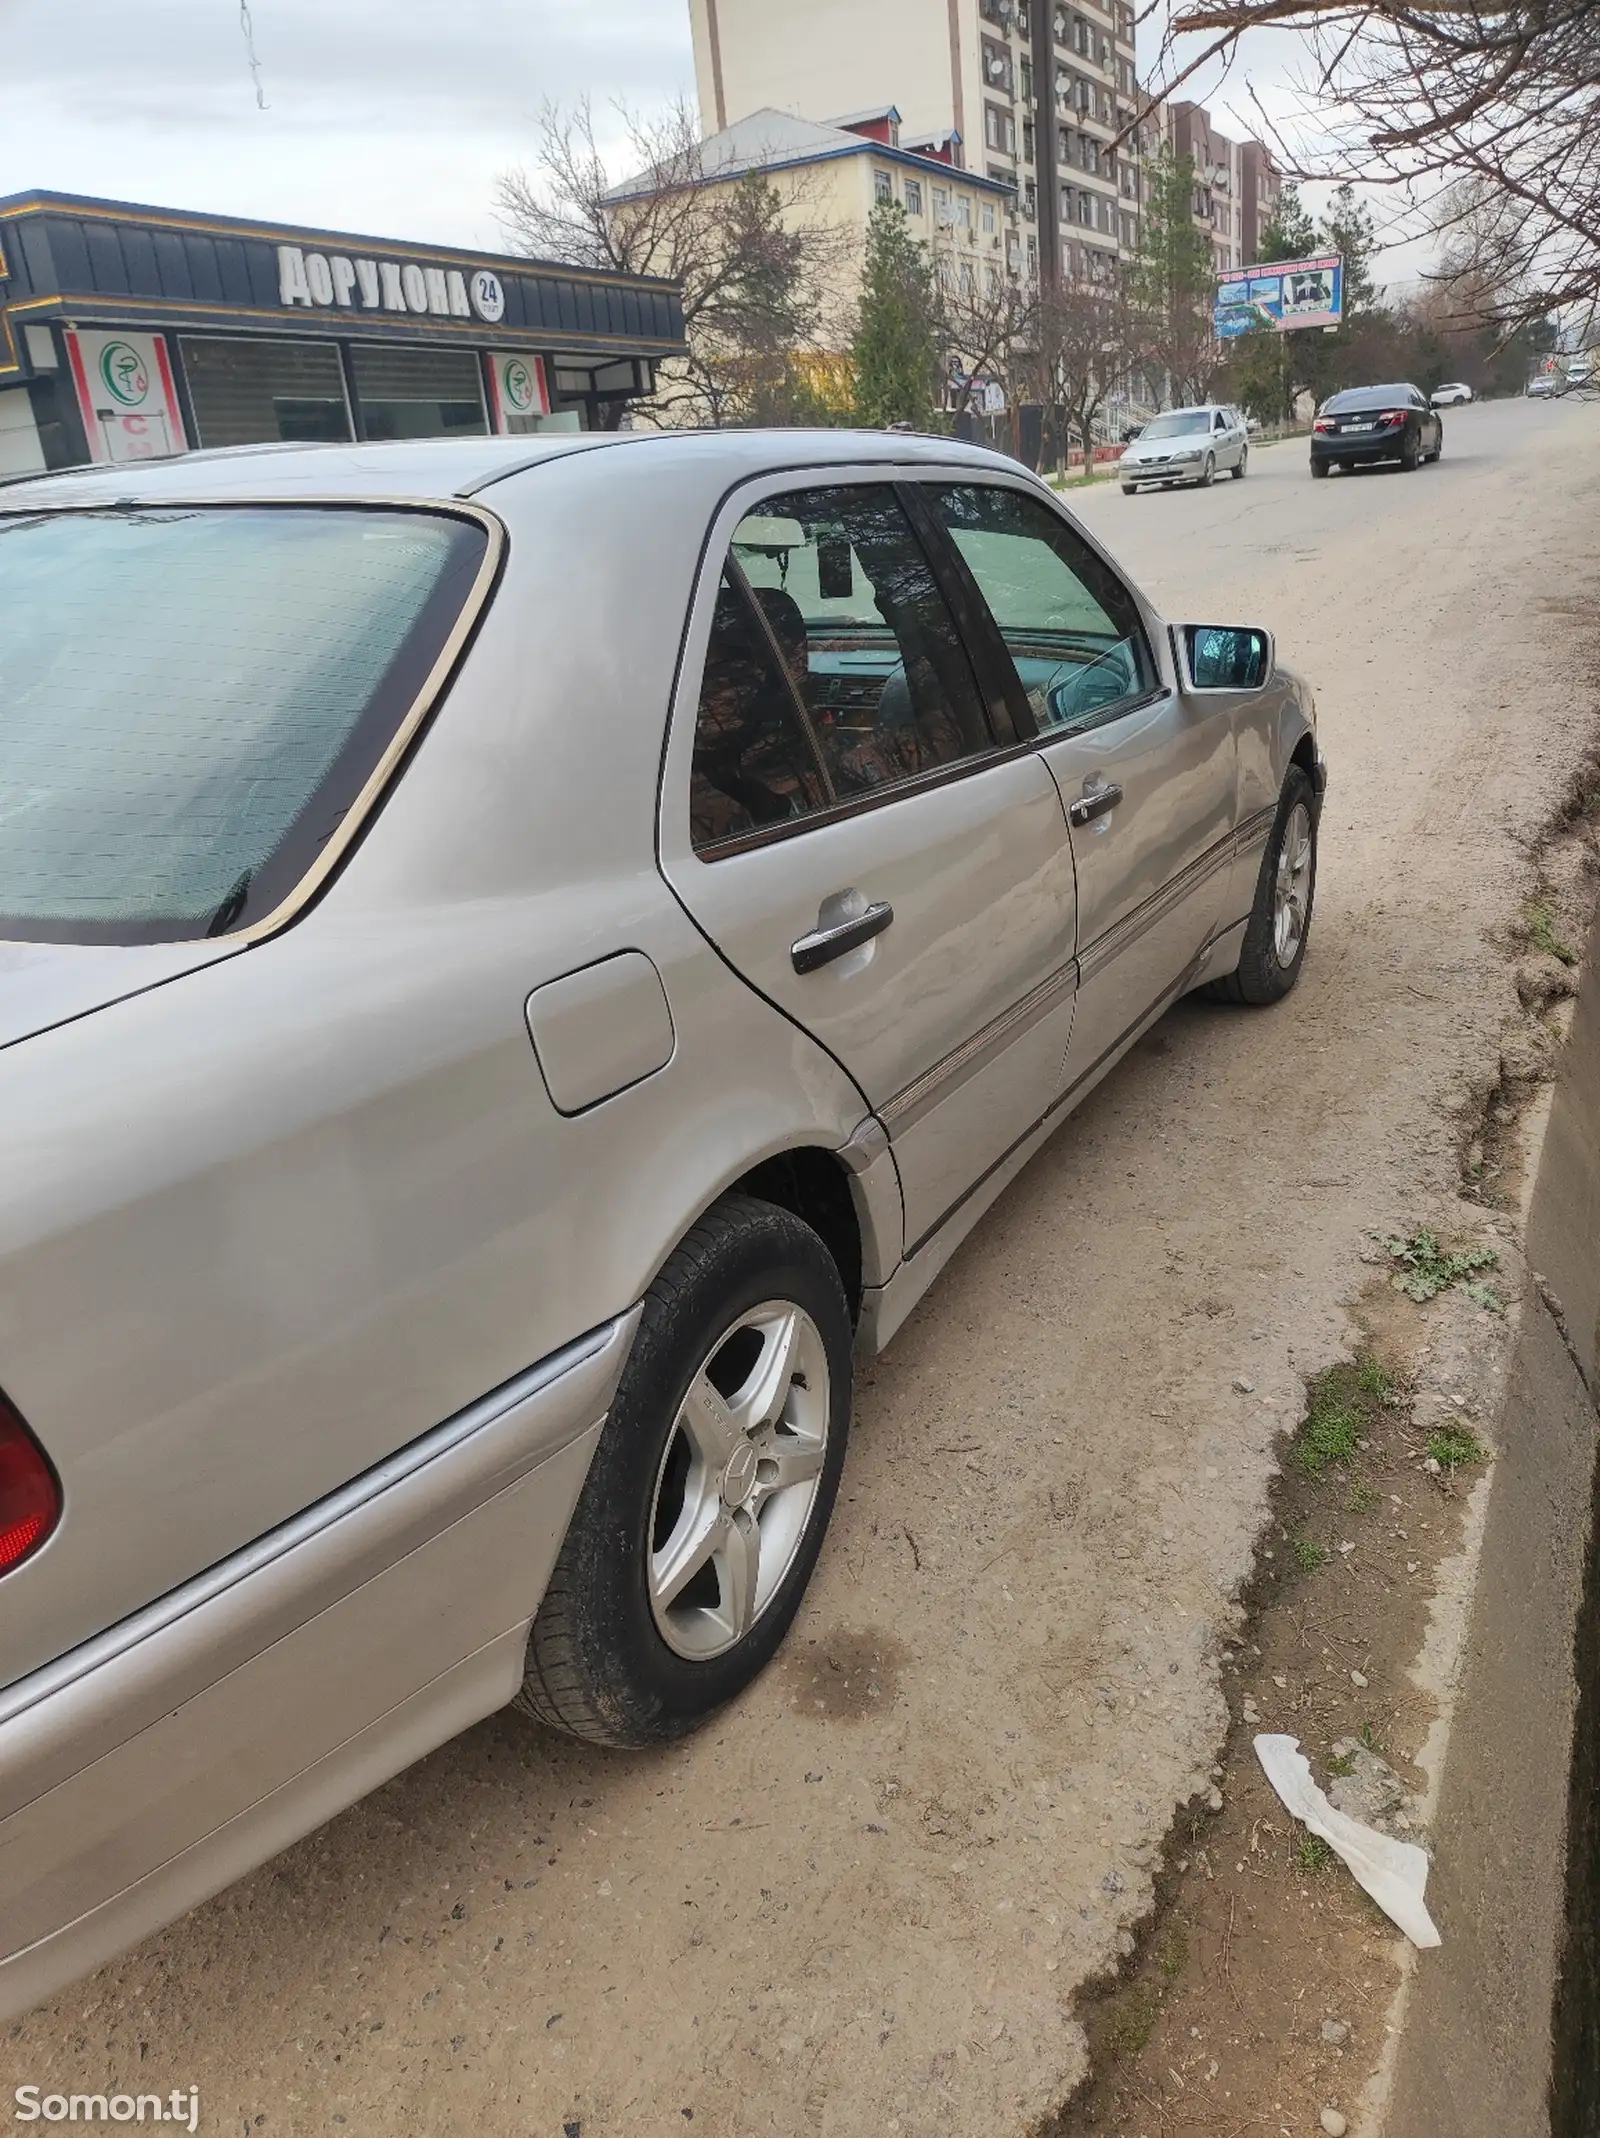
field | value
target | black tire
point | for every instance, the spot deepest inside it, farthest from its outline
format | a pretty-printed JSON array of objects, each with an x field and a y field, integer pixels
[
  {"x": 1130, "y": 489},
  {"x": 598, "y": 1666},
  {"x": 1242, "y": 469},
  {"x": 1411, "y": 456},
  {"x": 1208, "y": 474},
  {"x": 1319, "y": 470},
  {"x": 1263, "y": 978}
]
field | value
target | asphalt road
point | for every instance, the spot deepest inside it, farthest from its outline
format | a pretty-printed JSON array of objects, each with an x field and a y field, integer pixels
[{"x": 865, "y": 1900}]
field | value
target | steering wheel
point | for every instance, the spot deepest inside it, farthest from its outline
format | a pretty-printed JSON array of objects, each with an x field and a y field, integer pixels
[{"x": 1086, "y": 691}]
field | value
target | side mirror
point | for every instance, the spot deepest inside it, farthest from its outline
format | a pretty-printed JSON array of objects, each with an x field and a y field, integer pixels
[{"x": 1226, "y": 656}]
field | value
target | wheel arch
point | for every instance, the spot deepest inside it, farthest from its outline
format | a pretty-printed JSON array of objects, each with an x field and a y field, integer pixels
[{"x": 815, "y": 1185}]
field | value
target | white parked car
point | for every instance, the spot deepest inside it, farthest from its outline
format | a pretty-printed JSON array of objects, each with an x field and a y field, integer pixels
[{"x": 1456, "y": 396}]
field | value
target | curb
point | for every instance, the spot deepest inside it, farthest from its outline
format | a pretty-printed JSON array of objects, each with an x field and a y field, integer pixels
[{"x": 1498, "y": 2029}]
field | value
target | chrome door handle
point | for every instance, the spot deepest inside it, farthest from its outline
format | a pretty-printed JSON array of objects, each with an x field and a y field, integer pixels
[
  {"x": 1098, "y": 804},
  {"x": 823, "y": 945}
]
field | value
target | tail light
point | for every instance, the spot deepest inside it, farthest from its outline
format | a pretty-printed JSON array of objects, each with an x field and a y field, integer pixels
[
  {"x": 30, "y": 1497},
  {"x": 1395, "y": 416},
  {"x": 1322, "y": 424}
]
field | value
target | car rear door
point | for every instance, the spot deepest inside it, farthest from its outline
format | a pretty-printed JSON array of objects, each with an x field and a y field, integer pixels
[
  {"x": 1147, "y": 776},
  {"x": 858, "y": 833}
]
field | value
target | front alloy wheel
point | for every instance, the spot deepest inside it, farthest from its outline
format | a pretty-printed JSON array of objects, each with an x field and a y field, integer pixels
[
  {"x": 1275, "y": 937},
  {"x": 1208, "y": 474},
  {"x": 1291, "y": 887}
]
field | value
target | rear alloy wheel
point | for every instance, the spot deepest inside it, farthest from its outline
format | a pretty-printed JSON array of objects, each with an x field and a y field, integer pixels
[
  {"x": 1410, "y": 457},
  {"x": 1280, "y": 919},
  {"x": 1244, "y": 463},
  {"x": 705, "y": 1507},
  {"x": 1208, "y": 474}
]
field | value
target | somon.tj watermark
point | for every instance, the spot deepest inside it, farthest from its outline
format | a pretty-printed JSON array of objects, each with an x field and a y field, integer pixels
[{"x": 180, "y": 2107}]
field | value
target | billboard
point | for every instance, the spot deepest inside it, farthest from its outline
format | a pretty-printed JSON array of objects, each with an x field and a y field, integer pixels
[{"x": 1288, "y": 294}]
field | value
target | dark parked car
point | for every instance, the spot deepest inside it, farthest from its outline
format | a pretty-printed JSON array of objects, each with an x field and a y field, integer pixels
[{"x": 1369, "y": 423}]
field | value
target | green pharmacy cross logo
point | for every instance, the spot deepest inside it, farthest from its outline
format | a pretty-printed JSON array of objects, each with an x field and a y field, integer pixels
[
  {"x": 520, "y": 389},
  {"x": 123, "y": 369}
]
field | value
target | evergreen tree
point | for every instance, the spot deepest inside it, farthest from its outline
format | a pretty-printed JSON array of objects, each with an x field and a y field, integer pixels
[
  {"x": 896, "y": 352},
  {"x": 1173, "y": 281},
  {"x": 1348, "y": 229},
  {"x": 1291, "y": 234}
]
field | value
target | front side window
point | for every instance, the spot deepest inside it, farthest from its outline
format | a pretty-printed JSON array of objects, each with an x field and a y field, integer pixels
[
  {"x": 193, "y": 699},
  {"x": 861, "y": 658},
  {"x": 1068, "y": 622}
]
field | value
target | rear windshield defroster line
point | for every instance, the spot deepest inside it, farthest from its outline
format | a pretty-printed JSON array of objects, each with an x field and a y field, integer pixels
[{"x": 194, "y": 698}]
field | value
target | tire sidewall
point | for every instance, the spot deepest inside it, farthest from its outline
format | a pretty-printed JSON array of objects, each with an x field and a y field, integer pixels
[
  {"x": 1262, "y": 978},
  {"x": 668, "y": 1694}
]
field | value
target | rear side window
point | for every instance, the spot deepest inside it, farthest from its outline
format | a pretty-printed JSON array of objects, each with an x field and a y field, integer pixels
[
  {"x": 1070, "y": 625},
  {"x": 754, "y": 765},
  {"x": 193, "y": 699}
]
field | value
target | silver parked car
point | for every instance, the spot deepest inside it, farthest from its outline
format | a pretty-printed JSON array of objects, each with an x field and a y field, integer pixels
[
  {"x": 518, "y": 959},
  {"x": 1188, "y": 445}
]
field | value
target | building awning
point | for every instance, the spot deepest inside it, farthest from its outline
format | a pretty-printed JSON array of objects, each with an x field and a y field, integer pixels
[{"x": 63, "y": 258}]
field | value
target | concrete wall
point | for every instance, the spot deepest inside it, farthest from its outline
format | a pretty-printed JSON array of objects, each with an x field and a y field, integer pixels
[
  {"x": 1494, "y": 2034},
  {"x": 20, "y": 450}
]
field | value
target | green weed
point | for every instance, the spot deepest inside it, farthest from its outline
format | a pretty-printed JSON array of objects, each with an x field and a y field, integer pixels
[
  {"x": 1542, "y": 934},
  {"x": 1311, "y": 1554},
  {"x": 1425, "y": 1269},
  {"x": 1312, "y": 1854},
  {"x": 1451, "y": 1448}
]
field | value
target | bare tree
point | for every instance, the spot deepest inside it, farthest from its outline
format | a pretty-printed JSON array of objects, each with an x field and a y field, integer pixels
[
  {"x": 754, "y": 264},
  {"x": 1090, "y": 341},
  {"x": 988, "y": 322},
  {"x": 1424, "y": 94}
]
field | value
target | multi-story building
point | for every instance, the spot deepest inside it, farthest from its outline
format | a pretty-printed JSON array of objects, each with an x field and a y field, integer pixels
[
  {"x": 1032, "y": 94},
  {"x": 830, "y": 176},
  {"x": 1236, "y": 184},
  {"x": 1037, "y": 95}
]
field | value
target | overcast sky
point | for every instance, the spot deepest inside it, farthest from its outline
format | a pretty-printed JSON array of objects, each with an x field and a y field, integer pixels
[{"x": 388, "y": 117}]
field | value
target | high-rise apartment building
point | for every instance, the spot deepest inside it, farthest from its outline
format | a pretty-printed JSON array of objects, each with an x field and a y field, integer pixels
[
  {"x": 1032, "y": 93},
  {"x": 1236, "y": 185}
]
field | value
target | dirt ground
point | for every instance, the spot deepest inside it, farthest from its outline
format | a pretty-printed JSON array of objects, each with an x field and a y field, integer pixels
[{"x": 870, "y": 1899}]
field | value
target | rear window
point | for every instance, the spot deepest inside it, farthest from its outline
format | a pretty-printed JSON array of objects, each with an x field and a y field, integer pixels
[
  {"x": 192, "y": 699},
  {"x": 1367, "y": 397}
]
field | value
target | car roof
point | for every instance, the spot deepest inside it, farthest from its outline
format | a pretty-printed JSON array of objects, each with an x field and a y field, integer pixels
[{"x": 443, "y": 469}]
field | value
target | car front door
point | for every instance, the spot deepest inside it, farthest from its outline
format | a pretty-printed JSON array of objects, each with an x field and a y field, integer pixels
[
  {"x": 1147, "y": 776},
  {"x": 845, "y": 822}
]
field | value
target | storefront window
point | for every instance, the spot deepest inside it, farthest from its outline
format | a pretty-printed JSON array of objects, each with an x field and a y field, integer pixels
[
  {"x": 253, "y": 392},
  {"x": 420, "y": 393}
]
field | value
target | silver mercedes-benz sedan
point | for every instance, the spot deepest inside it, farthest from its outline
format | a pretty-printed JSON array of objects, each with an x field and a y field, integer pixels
[{"x": 518, "y": 959}]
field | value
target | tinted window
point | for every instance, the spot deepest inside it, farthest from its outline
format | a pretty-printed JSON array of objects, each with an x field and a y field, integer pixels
[
  {"x": 753, "y": 765},
  {"x": 191, "y": 700},
  {"x": 865, "y": 633},
  {"x": 1071, "y": 626},
  {"x": 1368, "y": 397}
]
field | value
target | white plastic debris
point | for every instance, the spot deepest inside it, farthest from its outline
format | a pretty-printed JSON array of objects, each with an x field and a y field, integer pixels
[{"x": 1395, "y": 1873}]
